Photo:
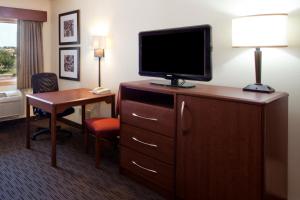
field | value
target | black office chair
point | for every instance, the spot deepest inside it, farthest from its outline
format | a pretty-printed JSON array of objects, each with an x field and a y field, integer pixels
[{"x": 46, "y": 82}]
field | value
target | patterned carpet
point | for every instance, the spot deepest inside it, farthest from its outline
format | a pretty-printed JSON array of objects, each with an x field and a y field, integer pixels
[{"x": 27, "y": 174}]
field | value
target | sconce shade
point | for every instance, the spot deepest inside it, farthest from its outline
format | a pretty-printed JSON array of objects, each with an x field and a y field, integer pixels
[
  {"x": 99, "y": 53},
  {"x": 268, "y": 30}
]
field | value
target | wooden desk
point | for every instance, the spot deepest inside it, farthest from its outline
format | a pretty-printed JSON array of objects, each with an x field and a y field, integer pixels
[{"x": 56, "y": 102}]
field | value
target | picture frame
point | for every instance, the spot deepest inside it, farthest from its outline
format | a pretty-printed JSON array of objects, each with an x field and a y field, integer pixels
[
  {"x": 69, "y": 28},
  {"x": 69, "y": 63}
]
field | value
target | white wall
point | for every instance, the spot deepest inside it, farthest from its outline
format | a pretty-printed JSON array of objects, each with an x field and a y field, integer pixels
[{"x": 122, "y": 20}]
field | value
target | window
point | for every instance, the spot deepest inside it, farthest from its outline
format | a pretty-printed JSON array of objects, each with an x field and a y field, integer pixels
[{"x": 8, "y": 52}]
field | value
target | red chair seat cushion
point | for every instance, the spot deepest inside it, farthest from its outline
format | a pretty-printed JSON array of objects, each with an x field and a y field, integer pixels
[{"x": 103, "y": 127}]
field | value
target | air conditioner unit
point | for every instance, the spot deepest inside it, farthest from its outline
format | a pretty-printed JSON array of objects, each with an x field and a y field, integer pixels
[{"x": 11, "y": 104}]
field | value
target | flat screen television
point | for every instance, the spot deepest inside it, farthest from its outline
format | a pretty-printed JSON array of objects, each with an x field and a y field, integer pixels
[{"x": 178, "y": 53}]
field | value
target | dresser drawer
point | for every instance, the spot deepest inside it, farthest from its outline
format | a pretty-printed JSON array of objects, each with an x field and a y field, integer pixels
[
  {"x": 154, "y": 118},
  {"x": 149, "y": 143},
  {"x": 150, "y": 169}
]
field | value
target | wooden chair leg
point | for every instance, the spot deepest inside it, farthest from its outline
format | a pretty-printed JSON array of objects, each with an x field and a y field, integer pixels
[
  {"x": 86, "y": 140},
  {"x": 98, "y": 152}
]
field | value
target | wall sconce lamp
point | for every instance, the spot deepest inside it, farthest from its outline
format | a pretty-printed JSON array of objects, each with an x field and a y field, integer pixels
[
  {"x": 99, "y": 44},
  {"x": 256, "y": 31}
]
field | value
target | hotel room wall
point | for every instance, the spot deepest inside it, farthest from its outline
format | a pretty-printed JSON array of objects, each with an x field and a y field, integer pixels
[
  {"x": 121, "y": 21},
  {"x": 43, "y": 5}
]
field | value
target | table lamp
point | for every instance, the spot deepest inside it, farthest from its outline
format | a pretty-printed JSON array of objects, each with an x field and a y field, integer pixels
[
  {"x": 259, "y": 31},
  {"x": 99, "y": 43}
]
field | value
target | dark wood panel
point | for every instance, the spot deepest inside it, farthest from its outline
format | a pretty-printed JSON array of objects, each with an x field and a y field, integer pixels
[
  {"x": 219, "y": 156},
  {"x": 149, "y": 143},
  {"x": 168, "y": 195},
  {"x": 150, "y": 169},
  {"x": 210, "y": 91},
  {"x": 36, "y": 103},
  {"x": 23, "y": 14},
  {"x": 276, "y": 140},
  {"x": 159, "y": 119}
]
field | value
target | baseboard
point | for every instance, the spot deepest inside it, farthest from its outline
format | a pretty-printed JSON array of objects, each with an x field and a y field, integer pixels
[
  {"x": 12, "y": 122},
  {"x": 273, "y": 197},
  {"x": 34, "y": 118},
  {"x": 70, "y": 123}
]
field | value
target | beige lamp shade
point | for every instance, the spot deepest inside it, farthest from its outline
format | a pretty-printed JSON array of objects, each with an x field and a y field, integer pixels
[
  {"x": 99, "y": 53},
  {"x": 99, "y": 45},
  {"x": 268, "y": 30}
]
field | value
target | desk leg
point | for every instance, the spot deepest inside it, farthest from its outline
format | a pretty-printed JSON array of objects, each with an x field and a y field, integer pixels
[
  {"x": 53, "y": 137},
  {"x": 83, "y": 117},
  {"x": 84, "y": 131},
  {"x": 113, "y": 109},
  {"x": 27, "y": 124}
]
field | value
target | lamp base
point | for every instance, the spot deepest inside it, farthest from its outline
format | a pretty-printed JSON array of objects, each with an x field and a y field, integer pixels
[{"x": 259, "y": 88}]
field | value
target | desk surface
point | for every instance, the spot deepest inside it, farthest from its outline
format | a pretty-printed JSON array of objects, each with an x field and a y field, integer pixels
[{"x": 66, "y": 96}]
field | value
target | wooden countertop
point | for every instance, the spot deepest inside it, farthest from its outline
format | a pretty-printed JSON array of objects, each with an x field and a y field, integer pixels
[{"x": 203, "y": 90}]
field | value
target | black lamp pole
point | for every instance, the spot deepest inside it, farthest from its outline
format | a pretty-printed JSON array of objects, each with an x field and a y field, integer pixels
[
  {"x": 99, "y": 53},
  {"x": 257, "y": 57},
  {"x": 258, "y": 87},
  {"x": 99, "y": 71}
]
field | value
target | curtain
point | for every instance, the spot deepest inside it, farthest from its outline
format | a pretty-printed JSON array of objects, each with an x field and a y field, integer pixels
[{"x": 30, "y": 59}]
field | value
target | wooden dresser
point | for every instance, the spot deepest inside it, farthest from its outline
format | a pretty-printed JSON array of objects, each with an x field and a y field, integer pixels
[{"x": 207, "y": 142}]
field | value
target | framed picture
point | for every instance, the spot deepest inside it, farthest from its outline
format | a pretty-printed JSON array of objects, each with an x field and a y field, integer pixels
[
  {"x": 69, "y": 29},
  {"x": 69, "y": 63}
]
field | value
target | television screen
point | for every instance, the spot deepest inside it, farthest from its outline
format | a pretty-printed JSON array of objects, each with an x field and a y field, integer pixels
[{"x": 180, "y": 53}]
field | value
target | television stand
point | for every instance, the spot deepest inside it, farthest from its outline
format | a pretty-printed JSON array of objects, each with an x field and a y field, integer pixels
[
  {"x": 172, "y": 83},
  {"x": 207, "y": 142}
]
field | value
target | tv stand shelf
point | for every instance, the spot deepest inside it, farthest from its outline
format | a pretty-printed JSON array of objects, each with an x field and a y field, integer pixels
[
  {"x": 207, "y": 142},
  {"x": 148, "y": 97}
]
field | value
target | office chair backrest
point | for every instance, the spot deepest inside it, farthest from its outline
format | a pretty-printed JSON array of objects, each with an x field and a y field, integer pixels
[{"x": 44, "y": 82}]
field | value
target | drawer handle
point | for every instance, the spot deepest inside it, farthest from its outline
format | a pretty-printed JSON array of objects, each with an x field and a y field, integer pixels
[
  {"x": 147, "y": 118},
  {"x": 145, "y": 143},
  {"x": 144, "y": 168},
  {"x": 181, "y": 116},
  {"x": 182, "y": 110}
]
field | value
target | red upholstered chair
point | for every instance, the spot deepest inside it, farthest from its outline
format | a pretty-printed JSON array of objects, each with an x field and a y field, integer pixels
[{"x": 104, "y": 129}]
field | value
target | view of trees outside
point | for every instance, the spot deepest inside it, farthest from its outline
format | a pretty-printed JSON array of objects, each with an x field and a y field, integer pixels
[
  {"x": 8, "y": 60},
  {"x": 8, "y": 51}
]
